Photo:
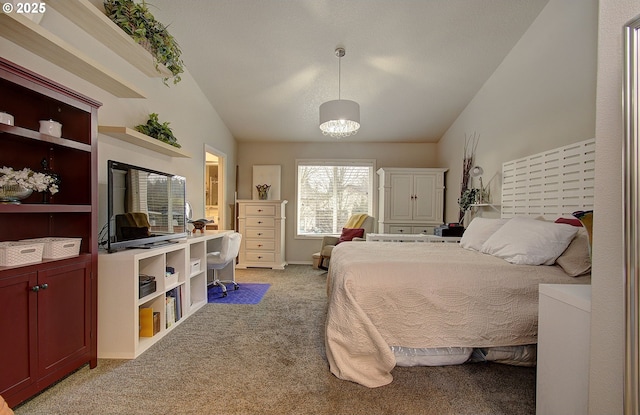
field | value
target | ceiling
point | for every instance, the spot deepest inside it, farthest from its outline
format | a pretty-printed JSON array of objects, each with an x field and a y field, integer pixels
[{"x": 412, "y": 65}]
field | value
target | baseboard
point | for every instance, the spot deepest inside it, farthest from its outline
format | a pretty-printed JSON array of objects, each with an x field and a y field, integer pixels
[{"x": 300, "y": 262}]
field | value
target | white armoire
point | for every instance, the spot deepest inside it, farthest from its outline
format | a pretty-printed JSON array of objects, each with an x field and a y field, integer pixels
[{"x": 411, "y": 200}]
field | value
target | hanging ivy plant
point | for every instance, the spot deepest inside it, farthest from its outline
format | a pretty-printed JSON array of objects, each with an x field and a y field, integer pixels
[
  {"x": 468, "y": 198},
  {"x": 159, "y": 131},
  {"x": 138, "y": 22}
]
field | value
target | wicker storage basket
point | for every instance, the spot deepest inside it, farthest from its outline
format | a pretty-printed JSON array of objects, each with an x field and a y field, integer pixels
[
  {"x": 55, "y": 248},
  {"x": 20, "y": 253}
]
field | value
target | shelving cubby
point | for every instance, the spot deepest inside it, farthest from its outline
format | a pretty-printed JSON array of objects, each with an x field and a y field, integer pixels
[
  {"x": 119, "y": 305},
  {"x": 197, "y": 279}
]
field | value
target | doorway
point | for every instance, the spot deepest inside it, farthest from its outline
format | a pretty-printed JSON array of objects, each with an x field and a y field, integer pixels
[{"x": 214, "y": 186}]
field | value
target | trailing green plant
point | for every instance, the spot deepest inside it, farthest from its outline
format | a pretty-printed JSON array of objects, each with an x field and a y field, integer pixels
[
  {"x": 138, "y": 22},
  {"x": 468, "y": 198},
  {"x": 159, "y": 131}
]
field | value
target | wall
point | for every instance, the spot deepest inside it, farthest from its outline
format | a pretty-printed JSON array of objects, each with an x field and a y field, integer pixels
[
  {"x": 607, "y": 297},
  {"x": 542, "y": 96},
  {"x": 285, "y": 155},
  {"x": 192, "y": 119}
]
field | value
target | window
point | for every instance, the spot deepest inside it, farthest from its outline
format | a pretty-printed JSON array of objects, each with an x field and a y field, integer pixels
[{"x": 329, "y": 192}]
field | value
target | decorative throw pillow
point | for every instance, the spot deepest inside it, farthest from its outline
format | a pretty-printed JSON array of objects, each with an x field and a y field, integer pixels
[
  {"x": 570, "y": 221},
  {"x": 586, "y": 218},
  {"x": 575, "y": 260},
  {"x": 349, "y": 233},
  {"x": 478, "y": 231},
  {"x": 527, "y": 241}
]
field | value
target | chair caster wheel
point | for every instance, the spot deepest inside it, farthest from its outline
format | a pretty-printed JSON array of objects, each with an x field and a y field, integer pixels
[
  {"x": 224, "y": 294},
  {"x": 236, "y": 287}
]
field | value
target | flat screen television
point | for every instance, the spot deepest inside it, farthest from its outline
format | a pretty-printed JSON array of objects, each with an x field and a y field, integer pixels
[{"x": 145, "y": 207}]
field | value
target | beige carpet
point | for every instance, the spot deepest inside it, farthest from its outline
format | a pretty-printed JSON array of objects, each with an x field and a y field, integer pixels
[{"x": 269, "y": 359}]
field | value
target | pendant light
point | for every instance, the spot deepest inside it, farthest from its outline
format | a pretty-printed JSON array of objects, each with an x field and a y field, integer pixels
[{"x": 339, "y": 118}]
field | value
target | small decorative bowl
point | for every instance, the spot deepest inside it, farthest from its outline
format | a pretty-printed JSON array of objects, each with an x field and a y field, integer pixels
[
  {"x": 6, "y": 118},
  {"x": 51, "y": 127}
]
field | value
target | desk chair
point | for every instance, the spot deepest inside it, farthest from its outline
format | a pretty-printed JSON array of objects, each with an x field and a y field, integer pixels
[{"x": 216, "y": 261}]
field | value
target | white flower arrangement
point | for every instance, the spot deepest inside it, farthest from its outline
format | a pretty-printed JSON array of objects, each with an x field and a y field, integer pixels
[{"x": 28, "y": 179}]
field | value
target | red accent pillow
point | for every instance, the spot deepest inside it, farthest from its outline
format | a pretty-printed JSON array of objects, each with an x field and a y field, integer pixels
[
  {"x": 570, "y": 221},
  {"x": 349, "y": 233}
]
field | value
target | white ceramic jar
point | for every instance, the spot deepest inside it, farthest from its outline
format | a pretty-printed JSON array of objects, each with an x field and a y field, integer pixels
[
  {"x": 51, "y": 127},
  {"x": 6, "y": 118}
]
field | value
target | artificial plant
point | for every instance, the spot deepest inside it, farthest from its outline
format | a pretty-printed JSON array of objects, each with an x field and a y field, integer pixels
[
  {"x": 160, "y": 131},
  {"x": 138, "y": 22}
]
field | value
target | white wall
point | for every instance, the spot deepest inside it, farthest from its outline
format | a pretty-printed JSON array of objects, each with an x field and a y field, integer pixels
[
  {"x": 285, "y": 155},
  {"x": 542, "y": 96},
  {"x": 192, "y": 119},
  {"x": 607, "y": 310}
]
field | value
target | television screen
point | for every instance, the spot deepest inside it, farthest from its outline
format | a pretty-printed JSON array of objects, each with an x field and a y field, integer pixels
[{"x": 145, "y": 207}]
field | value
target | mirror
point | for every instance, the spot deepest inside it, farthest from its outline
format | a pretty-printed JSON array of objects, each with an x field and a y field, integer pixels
[{"x": 631, "y": 225}]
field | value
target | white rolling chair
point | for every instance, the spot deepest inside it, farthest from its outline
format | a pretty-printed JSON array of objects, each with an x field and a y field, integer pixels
[{"x": 219, "y": 260}]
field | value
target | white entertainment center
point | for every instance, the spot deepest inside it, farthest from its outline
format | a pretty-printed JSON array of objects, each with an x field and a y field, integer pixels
[{"x": 119, "y": 305}]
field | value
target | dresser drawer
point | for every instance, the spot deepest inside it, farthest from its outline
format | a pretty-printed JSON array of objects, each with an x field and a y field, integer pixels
[
  {"x": 426, "y": 229},
  {"x": 253, "y": 233},
  {"x": 400, "y": 229},
  {"x": 260, "y": 210},
  {"x": 256, "y": 245},
  {"x": 261, "y": 222},
  {"x": 253, "y": 256}
]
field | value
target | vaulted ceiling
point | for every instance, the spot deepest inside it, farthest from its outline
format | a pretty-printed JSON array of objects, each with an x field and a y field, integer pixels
[{"x": 412, "y": 65}]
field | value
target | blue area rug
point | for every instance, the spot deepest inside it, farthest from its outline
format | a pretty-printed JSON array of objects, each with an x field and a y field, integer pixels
[{"x": 246, "y": 294}]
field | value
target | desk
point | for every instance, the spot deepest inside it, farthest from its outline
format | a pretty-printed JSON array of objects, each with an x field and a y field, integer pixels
[{"x": 419, "y": 237}]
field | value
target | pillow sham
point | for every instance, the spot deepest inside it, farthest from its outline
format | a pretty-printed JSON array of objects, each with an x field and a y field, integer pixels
[
  {"x": 349, "y": 233},
  {"x": 527, "y": 241},
  {"x": 478, "y": 231},
  {"x": 575, "y": 260}
]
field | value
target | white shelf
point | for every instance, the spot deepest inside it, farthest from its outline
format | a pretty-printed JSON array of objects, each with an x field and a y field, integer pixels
[
  {"x": 31, "y": 36},
  {"x": 132, "y": 136},
  {"x": 489, "y": 205},
  {"x": 118, "y": 302},
  {"x": 93, "y": 21}
]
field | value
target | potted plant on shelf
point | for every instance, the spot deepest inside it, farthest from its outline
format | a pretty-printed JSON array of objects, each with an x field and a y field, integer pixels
[
  {"x": 159, "y": 131},
  {"x": 138, "y": 22}
]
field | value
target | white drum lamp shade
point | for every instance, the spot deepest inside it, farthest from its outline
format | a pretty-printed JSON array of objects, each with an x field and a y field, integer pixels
[{"x": 340, "y": 118}]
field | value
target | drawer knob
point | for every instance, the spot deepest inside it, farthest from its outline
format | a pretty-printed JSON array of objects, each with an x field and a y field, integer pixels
[
  {"x": 259, "y": 257},
  {"x": 259, "y": 221},
  {"x": 259, "y": 245},
  {"x": 259, "y": 233},
  {"x": 259, "y": 210}
]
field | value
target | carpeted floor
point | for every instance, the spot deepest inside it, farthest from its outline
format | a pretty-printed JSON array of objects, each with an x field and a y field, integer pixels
[{"x": 269, "y": 358}]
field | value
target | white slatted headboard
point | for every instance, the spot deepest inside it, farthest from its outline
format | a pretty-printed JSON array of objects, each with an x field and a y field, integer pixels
[{"x": 551, "y": 184}]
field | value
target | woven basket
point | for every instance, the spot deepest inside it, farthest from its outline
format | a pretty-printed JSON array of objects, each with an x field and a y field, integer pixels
[
  {"x": 55, "y": 248},
  {"x": 20, "y": 253}
]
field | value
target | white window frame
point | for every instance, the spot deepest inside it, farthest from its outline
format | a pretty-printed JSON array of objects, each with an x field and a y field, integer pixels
[{"x": 371, "y": 163}]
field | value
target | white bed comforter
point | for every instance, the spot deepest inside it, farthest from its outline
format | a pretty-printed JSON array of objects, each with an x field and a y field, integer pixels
[{"x": 424, "y": 295}]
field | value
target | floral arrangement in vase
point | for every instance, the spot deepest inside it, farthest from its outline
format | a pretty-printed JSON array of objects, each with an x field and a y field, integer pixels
[
  {"x": 16, "y": 185},
  {"x": 263, "y": 191}
]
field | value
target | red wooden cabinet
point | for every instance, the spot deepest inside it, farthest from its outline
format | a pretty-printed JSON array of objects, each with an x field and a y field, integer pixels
[{"x": 48, "y": 310}]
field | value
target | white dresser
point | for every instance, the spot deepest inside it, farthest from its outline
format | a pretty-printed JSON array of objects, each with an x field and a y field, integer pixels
[
  {"x": 261, "y": 223},
  {"x": 411, "y": 200}
]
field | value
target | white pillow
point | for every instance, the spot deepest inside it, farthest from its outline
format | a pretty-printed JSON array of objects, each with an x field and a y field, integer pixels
[
  {"x": 527, "y": 241},
  {"x": 478, "y": 231}
]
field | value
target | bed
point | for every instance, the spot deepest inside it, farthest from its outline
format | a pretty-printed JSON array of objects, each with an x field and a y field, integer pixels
[{"x": 437, "y": 303}]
